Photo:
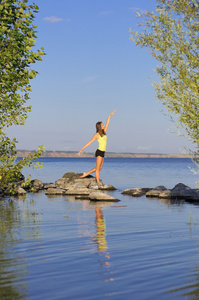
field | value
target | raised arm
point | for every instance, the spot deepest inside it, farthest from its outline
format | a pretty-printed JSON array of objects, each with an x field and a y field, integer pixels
[
  {"x": 108, "y": 120},
  {"x": 88, "y": 144}
]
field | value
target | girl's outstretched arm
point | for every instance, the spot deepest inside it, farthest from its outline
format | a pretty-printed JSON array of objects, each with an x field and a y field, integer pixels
[
  {"x": 88, "y": 144},
  {"x": 108, "y": 120}
]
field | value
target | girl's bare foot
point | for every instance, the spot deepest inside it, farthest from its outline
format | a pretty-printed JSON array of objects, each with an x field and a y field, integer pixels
[{"x": 84, "y": 175}]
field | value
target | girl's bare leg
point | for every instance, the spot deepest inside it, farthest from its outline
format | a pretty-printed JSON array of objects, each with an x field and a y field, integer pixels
[
  {"x": 94, "y": 169},
  {"x": 99, "y": 164},
  {"x": 88, "y": 173}
]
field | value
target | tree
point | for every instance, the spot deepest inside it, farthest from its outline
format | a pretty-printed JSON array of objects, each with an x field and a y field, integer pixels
[
  {"x": 17, "y": 40},
  {"x": 172, "y": 36}
]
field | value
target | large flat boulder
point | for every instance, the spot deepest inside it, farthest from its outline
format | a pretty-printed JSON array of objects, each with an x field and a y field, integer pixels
[
  {"x": 55, "y": 191},
  {"x": 99, "y": 196},
  {"x": 77, "y": 191},
  {"x": 101, "y": 187}
]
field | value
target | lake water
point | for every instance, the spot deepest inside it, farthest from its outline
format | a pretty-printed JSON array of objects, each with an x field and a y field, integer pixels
[{"x": 139, "y": 248}]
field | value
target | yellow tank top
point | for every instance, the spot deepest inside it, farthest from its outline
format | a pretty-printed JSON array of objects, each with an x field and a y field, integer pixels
[{"x": 102, "y": 142}]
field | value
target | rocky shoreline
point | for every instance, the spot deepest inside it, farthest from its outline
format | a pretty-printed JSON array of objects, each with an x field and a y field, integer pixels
[{"x": 87, "y": 189}]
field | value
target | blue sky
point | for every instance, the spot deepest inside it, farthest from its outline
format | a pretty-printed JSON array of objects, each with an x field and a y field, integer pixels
[{"x": 92, "y": 67}]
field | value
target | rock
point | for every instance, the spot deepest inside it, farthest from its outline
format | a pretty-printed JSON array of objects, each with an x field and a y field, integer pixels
[
  {"x": 107, "y": 187},
  {"x": 63, "y": 183},
  {"x": 103, "y": 187},
  {"x": 180, "y": 187},
  {"x": 49, "y": 185},
  {"x": 77, "y": 191},
  {"x": 180, "y": 191},
  {"x": 136, "y": 192},
  {"x": 156, "y": 191},
  {"x": 20, "y": 191},
  {"x": 55, "y": 191},
  {"x": 72, "y": 180},
  {"x": 99, "y": 196},
  {"x": 68, "y": 175},
  {"x": 71, "y": 176},
  {"x": 36, "y": 183}
]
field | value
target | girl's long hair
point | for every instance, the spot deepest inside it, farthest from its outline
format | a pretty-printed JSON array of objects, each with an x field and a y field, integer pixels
[{"x": 99, "y": 130}]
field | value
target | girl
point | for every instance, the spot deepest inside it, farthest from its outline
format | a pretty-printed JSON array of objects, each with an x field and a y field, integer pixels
[{"x": 99, "y": 154}]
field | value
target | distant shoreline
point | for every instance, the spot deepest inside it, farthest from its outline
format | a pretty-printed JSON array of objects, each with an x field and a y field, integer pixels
[{"x": 71, "y": 154}]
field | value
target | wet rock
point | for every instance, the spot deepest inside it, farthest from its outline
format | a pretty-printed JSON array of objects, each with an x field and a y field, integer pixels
[
  {"x": 55, "y": 191},
  {"x": 156, "y": 191},
  {"x": 99, "y": 196},
  {"x": 136, "y": 192}
]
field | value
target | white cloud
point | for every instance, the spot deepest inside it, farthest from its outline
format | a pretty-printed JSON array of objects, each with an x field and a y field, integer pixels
[
  {"x": 135, "y": 9},
  {"x": 107, "y": 12},
  {"x": 53, "y": 19}
]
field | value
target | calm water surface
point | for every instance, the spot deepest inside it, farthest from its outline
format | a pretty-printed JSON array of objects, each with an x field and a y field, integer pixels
[{"x": 139, "y": 248}]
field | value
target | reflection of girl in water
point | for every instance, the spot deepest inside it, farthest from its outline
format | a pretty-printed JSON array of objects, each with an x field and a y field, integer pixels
[
  {"x": 100, "y": 238},
  {"x": 101, "y": 233},
  {"x": 102, "y": 139}
]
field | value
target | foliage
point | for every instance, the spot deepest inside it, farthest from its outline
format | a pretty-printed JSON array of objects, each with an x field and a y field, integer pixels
[
  {"x": 17, "y": 40},
  {"x": 172, "y": 36}
]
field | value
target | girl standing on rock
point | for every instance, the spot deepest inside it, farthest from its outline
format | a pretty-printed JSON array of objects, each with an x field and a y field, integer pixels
[{"x": 99, "y": 154}]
